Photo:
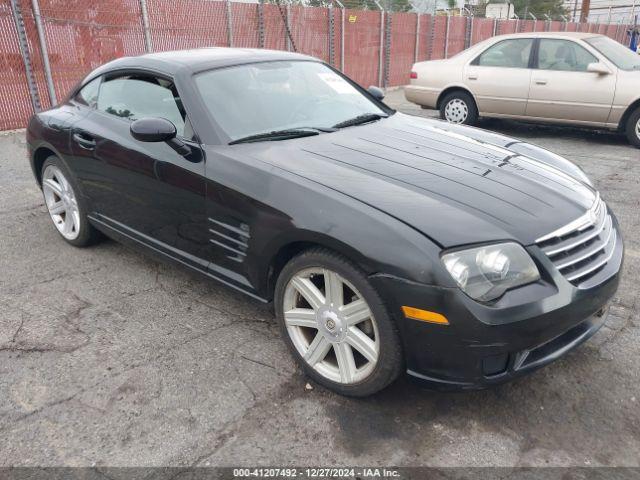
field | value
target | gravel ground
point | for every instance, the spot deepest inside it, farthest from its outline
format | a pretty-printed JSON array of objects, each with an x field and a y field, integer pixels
[{"x": 110, "y": 358}]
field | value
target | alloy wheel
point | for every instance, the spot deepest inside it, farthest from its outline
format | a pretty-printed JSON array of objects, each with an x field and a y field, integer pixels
[
  {"x": 61, "y": 202},
  {"x": 638, "y": 129},
  {"x": 456, "y": 111},
  {"x": 331, "y": 325}
]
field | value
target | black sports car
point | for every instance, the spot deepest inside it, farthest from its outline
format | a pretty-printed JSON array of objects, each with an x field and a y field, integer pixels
[{"x": 386, "y": 242}]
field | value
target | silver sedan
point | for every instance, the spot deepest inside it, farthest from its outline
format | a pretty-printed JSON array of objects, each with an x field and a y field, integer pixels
[{"x": 562, "y": 77}]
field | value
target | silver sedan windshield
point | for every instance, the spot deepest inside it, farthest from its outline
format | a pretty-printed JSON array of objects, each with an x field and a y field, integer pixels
[{"x": 620, "y": 55}]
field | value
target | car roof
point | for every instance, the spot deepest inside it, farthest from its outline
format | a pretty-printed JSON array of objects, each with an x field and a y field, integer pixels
[
  {"x": 195, "y": 60},
  {"x": 574, "y": 35}
]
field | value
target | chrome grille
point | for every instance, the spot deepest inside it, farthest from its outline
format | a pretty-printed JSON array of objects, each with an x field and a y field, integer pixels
[{"x": 580, "y": 249}]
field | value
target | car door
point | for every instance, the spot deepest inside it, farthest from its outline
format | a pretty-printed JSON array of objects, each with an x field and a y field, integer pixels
[
  {"x": 147, "y": 191},
  {"x": 499, "y": 77},
  {"x": 563, "y": 89}
]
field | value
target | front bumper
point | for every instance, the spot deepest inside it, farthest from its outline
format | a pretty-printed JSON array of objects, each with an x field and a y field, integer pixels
[{"x": 484, "y": 345}]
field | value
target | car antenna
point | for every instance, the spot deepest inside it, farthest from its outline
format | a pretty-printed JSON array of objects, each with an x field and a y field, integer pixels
[{"x": 286, "y": 26}]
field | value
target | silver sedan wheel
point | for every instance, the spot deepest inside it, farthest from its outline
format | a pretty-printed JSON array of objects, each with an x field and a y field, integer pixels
[
  {"x": 456, "y": 111},
  {"x": 331, "y": 325},
  {"x": 61, "y": 202}
]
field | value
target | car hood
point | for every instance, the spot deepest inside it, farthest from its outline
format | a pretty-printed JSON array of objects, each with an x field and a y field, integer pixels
[{"x": 457, "y": 185}]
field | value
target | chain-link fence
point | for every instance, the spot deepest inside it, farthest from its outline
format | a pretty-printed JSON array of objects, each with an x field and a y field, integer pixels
[{"x": 47, "y": 46}]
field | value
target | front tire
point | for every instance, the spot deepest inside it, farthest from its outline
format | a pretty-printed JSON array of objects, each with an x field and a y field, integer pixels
[
  {"x": 336, "y": 324},
  {"x": 459, "y": 107},
  {"x": 66, "y": 207},
  {"x": 633, "y": 128}
]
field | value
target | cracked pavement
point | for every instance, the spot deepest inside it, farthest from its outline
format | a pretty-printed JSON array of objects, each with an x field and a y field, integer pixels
[{"x": 109, "y": 358}]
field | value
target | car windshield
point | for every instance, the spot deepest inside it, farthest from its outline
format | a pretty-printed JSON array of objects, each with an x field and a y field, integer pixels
[
  {"x": 281, "y": 95},
  {"x": 620, "y": 55}
]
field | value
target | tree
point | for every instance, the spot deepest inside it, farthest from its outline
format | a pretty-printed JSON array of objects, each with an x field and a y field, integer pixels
[{"x": 539, "y": 8}]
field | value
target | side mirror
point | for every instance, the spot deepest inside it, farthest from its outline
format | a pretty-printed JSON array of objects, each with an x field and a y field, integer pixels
[
  {"x": 599, "y": 68},
  {"x": 153, "y": 129},
  {"x": 156, "y": 129},
  {"x": 376, "y": 92}
]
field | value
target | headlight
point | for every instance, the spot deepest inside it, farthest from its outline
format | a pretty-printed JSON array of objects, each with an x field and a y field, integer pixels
[{"x": 485, "y": 273}]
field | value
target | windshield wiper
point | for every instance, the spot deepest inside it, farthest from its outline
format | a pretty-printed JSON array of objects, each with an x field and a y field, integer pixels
[
  {"x": 281, "y": 135},
  {"x": 360, "y": 119}
]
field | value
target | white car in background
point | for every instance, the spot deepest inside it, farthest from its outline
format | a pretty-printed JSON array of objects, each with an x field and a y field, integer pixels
[{"x": 561, "y": 77}]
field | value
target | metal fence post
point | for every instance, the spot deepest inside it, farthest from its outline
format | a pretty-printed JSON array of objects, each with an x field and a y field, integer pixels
[
  {"x": 229, "y": 24},
  {"x": 260, "y": 24},
  {"x": 387, "y": 50},
  {"x": 45, "y": 53},
  {"x": 417, "y": 44},
  {"x": 342, "y": 15},
  {"x": 446, "y": 36},
  {"x": 381, "y": 44},
  {"x": 432, "y": 37},
  {"x": 331, "y": 28},
  {"x": 288, "y": 25},
  {"x": 145, "y": 25},
  {"x": 495, "y": 27},
  {"x": 468, "y": 33},
  {"x": 26, "y": 56}
]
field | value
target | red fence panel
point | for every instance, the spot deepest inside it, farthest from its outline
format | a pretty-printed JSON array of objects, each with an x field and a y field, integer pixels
[
  {"x": 439, "y": 37},
  {"x": 362, "y": 46},
  {"x": 482, "y": 29},
  {"x": 15, "y": 101},
  {"x": 457, "y": 32},
  {"x": 572, "y": 27},
  {"x": 506, "y": 26},
  {"x": 310, "y": 30},
  {"x": 556, "y": 26},
  {"x": 187, "y": 24},
  {"x": 403, "y": 40},
  {"x": 244, "y": 25},
  {"x": 274, "y": 27},
  {"x": 83, "y": 37},
  {"x": 527, "y": 25},
  {"x": 424, "y": 37}
]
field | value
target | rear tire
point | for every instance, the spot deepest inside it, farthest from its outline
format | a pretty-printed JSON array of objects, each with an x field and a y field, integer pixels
[
  {"x": 633, "y": 128},
  {"x": 460, "y": 108},
  {"x": 347, "y": 343},
  {"x": 67, "y": 208}
]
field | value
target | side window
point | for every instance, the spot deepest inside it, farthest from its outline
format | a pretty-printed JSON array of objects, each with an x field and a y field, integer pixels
[
  {"x": 88, "y": 95},
  {"x": 563, "y": 55},
  {"x": 137, "y": 96},
  {"x": 508, "y": 54}
]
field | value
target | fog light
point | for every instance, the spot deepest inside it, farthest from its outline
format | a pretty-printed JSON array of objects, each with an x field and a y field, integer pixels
[
  {"x": 424, "y": 315},
  {"x": 495, "y": 364}
]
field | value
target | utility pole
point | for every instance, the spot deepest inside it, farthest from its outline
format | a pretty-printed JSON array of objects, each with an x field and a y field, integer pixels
[
  {"x": 584, "y": 12},
  {"x": 575, "y": 9}
]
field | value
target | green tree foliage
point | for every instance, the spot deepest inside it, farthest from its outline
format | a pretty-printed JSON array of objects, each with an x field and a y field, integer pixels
[{"x": 539, "y": 8}]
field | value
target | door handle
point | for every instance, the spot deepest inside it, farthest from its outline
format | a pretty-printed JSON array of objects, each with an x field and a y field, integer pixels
[
  {"x": 84, "y": 141},
  {"x": 540, "y": 81},
  {"x": 473, "y": 77}
]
